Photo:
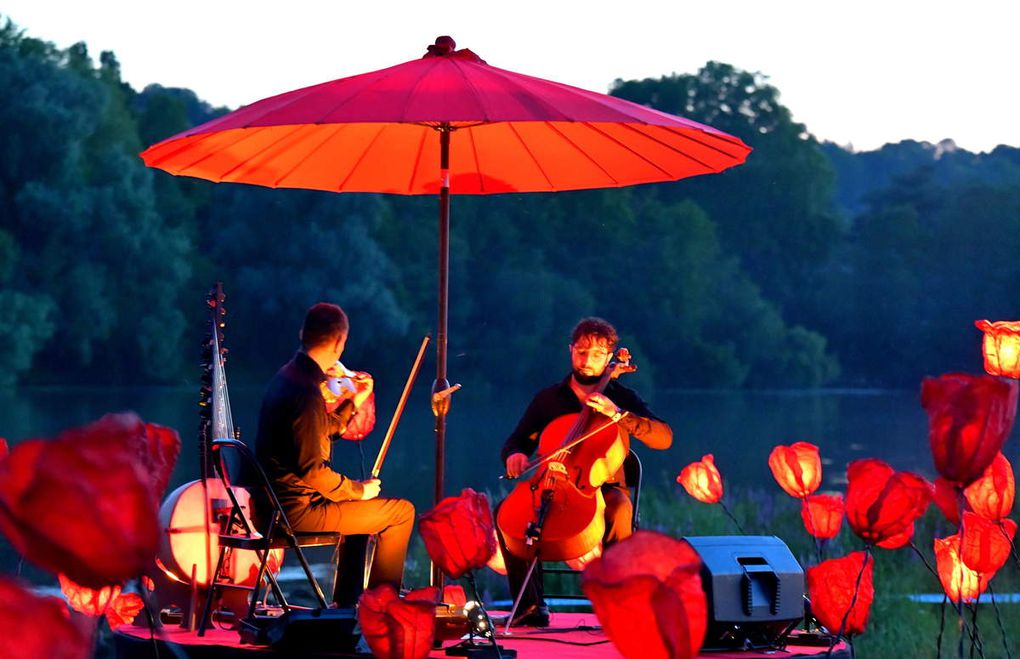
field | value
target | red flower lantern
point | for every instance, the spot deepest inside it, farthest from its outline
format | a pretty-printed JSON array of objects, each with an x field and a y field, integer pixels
[
  {"x": 969, "y": 419},
  {"x": 797, "y": 468},
  {"x": 822, "y": 514},
  {"x": 86, "y": 503},
  {"x": 459, "y": 533},
  {"x": 396, "y": 628},
  {"x": 831, "y": 585},
  {"x": 986, "y": 544},
  {"x": 702, "y": 480},
  {"x": 882, "y": 504},
  {"x": 86, "y": 600},
  {"x": 959, "y": 581},
  {"x": 34, "y": 626},
  {"x": 646, "y": 591},
  {"x": 992, "y": 495},
  {"x": 4, "y": 450},
  {"x": 1001, "y": 347},
  {"x": 947, "y": 499},
  {"x": 119, "y": 608},
  {"x": 124, "y": 609}
]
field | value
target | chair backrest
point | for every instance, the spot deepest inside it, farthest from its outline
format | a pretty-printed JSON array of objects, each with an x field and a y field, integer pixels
[
  {"x": 632, "y": 479},
  {"x": 264, "y": 496}
]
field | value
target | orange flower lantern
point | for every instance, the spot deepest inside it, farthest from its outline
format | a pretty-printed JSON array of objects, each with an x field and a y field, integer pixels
[
  {"x": 831, "y": 586},
  {"x": 1001, "y": 347},
  {"x": 459, "y": 534},
  {"x": 986, "y": 544},
  {"x": 34, "y": 626},
  {"x": 992, "y": 495},
  {"x": 396, "y": 628},
  {"x": 646, "y": 591},
  {"x": 822, "y": 514},
  {"x": 969, "y": 418},
  {"x": 702, "y": 480},
  {"x": 959, "y": 581},
  {"x": 882, "y": 504},
  {"x": 119, "y": 608},
  {"x": 108, "y": 476},
  {"x": 947, "y": 499},
  {"x": 797, "y": 468}
]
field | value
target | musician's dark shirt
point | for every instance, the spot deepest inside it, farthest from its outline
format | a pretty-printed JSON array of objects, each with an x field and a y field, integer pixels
[
  {"x": 560, "y": 399},
  {"x": 293, "y": 443}
]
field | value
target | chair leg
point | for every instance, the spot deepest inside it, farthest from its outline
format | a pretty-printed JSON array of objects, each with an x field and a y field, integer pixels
[{"x": 207, "y": 607}]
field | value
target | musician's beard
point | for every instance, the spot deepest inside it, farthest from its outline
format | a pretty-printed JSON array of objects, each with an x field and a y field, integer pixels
[{"x": 586, "y": 379}]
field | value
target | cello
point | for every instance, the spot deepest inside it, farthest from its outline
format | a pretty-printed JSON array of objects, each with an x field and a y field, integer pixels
[{"x": 558, "y": 513}]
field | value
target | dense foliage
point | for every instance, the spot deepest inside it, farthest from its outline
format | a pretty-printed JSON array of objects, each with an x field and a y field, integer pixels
[{"x": 808, "y": 265}]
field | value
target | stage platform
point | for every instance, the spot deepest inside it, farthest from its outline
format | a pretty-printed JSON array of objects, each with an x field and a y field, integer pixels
[{"x": 569, "y": 636}]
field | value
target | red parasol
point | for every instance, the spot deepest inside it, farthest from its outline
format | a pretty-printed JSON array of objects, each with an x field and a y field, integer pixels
[{"x": 446, "y": 123}]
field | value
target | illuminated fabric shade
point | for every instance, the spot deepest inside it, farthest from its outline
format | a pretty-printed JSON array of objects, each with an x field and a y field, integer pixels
[
  {"x": 702, "y": 480},
  {"x": 822, "y": 514},
  {"x": 646, "y": 591},
  {"x": 831, "y": 586},
  {"x": 124, "y": 609},
  {"x": 969, "y": 418},
  {"x": 992, "y": 495},
  {"x": 946, "y": 498},
  {"x": 882, "y": 504},
  {"x": 986, "y": 544},
  {"x": 396, "y": 628},
  {"x": 1001, "y": 347},
  {"x": 959, "y": 581},
  {"x": 459, "y": 533},
  {"x": 118, "y": 607},
  {"x": 797, "y": 468},
  {"x": 107, "y": 477},
  {"x": 35, "y": 626}
]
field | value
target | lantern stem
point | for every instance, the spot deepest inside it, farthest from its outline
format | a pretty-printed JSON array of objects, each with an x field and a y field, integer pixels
[
  {"x": 853, "y": 601},
  {"x": 732, "y": 518}
]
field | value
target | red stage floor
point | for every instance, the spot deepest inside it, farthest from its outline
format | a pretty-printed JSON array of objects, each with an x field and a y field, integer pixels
[{"x": 569, "y": 636}]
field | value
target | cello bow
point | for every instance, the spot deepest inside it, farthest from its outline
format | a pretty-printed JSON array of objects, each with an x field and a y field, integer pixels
[{"x": 411, "y": 377}]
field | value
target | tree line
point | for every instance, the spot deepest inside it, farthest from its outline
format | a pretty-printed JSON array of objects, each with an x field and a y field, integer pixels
[{"x": 809, "y": 265}]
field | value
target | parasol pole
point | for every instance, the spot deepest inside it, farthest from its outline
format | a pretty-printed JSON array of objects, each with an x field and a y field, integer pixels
[{"x": 441, "y": 404}]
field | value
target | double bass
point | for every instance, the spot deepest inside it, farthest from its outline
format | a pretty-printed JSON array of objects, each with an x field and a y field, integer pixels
[{"x": 558, "y": 513}]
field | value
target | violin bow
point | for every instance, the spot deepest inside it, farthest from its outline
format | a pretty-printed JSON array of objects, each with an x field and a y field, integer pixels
[
  {"x": 594, "y": 431},
  {"x": 411, "y": 377}
]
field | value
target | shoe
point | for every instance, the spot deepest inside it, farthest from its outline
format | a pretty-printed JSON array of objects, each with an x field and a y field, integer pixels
[{"x": 535, "y": 615}]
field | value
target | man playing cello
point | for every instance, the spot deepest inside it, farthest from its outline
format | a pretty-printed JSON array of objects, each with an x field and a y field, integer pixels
[{"x": 593, "y": 343}]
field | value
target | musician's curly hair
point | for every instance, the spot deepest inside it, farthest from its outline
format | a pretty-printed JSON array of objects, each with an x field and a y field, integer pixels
[
  {"x": 324, "y": 322},
  {"x": 598, "y": 327}
]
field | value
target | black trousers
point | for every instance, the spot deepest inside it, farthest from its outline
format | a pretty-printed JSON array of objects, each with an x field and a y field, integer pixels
[{"x": 619, "y": 525}]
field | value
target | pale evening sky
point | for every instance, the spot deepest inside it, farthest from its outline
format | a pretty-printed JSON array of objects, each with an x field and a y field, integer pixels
[{"x": 863, "y": 73}]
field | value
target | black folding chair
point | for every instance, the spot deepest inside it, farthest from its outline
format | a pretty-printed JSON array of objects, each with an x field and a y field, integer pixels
[{"x": 239, "y": 533}]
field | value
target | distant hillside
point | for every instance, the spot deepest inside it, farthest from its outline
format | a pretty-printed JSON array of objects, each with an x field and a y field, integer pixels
[{"x": 860, "y": 174}]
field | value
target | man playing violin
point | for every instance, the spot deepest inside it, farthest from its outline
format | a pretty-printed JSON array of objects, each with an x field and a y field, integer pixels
[
  {"x": 593, "y": 343},
  {"x": 294, "y": 447}
]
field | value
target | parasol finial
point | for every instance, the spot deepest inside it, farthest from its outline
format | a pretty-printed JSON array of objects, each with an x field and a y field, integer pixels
[{"x": 443, "y": 46}]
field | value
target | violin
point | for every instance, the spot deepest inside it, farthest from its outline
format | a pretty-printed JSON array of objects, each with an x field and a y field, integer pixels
[{"x": 559, "y": 511}]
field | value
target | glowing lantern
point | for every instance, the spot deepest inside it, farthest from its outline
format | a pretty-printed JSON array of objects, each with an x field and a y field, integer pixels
[
  {"x": 34, "y": 626},
  {"x": 363, "y": 421},
  {"x": 947, "y": 499},
  {"x": 992, "y": 495},
  {"x": 969, "y": 417},
  {"x": 897, "y": 540},
  {"x": 1001, "y": 347},
  {"x": 882, "y": 504},
  {"x": 124, "y": 609},
  {"x": 831, "y": 585},
  {"x": 3, "y": 448},
  {"x": 797, "y": 468},
  {"x": 458, "y": 532},
  {"x": 986, "y": 544},
  {"x": 822, "y": 514},
  {"x": 396, "y": 628},
  {"x": 86, "y": 600},
  {"x": 107, "y": 476},
  {"x": 959, "y": 581},
  {"x": 646, "y": 591},
  {"x": 702, "y": 480}
]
